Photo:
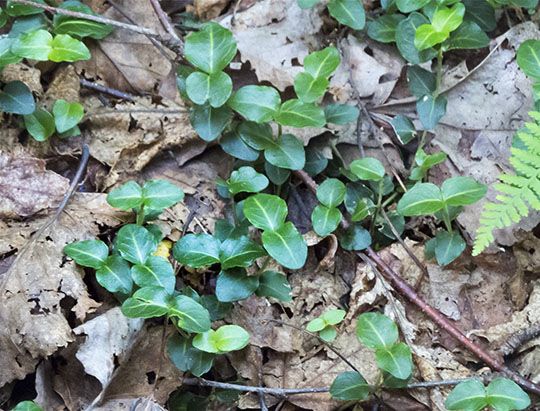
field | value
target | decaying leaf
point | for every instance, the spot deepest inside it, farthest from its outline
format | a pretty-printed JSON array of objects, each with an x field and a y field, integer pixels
[{"x": 27, "y": 187}]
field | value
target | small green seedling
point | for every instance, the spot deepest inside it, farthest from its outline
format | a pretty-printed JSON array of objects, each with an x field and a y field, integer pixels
[
  {"x": 380, "y": 333},
  {"x": 27, "y": 406},
  {"x": 501, "y": 394},
  {"x": 325, "y": 325}
]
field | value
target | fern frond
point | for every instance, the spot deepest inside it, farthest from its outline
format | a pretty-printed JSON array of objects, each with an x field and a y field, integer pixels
[{"x": 519, "y": 192}]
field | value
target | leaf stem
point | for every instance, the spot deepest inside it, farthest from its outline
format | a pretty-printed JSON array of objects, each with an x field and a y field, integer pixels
[
  {"x": 439, "y": 71},
  {"x": 379, "y": 204},
  {"x": 140, "y": 215}
]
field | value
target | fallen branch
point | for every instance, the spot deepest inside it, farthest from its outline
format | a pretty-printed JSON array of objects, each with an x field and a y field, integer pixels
[{"x": 408, "y": 291}]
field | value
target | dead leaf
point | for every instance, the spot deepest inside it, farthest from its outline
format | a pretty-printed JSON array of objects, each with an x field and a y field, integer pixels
[
  {"x": 27, "y": 187},
  {"x": 209, "y": 9}
]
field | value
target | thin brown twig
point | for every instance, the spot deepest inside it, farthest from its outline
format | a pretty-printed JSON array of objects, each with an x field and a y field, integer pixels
[
  {"x": 98, "y": 19},
  {"x": 410, "y": 293},
  {"x": 108, "y": 90},
  {"x": 282, "y": 392},
  {"x": 164, "y": 19}
]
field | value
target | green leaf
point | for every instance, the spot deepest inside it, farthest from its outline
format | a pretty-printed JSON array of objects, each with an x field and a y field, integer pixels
[
  {"x": 235, "y": 284},
  {"x": 239, "y": 252},
  {"x": 135, "y": 243},
  {"x": 364, "y": 208},
  {"x": 197, "y": 250},
  {"x": 227, "y": 338},
  {"x": 355, "y": 238},
  {"x": 333, "y": 317},
  {"x": 306, "y": 4},
  {"x": 286, "y": 246},
  {"x": 368, "y": 169},
  {"x": 256, "y": 103},
  {"x": 209, "y": 122},
  {"x": 126, "y": 197},
  {"x": 66, "y": 48},
  {"x": 72, "y": 132},
  {"x": 18, "y": 9},
  {"x": 467, "y": 36},
  {"x": 505, "y": 395},
  {"x": 405, "y": 35},
  {"x": 341, "y": 114},
  {"x": 210, "y": 49},
  {"x": 308, "y": 88},
  {"x": 467, "y": 396},
  {"x": 272, "y": 284},
  {"x": 392, "y": 382},
  {"x": 325, "y": 220},
  {"x": 160, "y": 194},
  {"x": 35, "y": 45},
  {"x": 316, "y": 162},
  {"x": 316, "y": 325},
  {"x": 146, "y": 302},
  {"x": 296, "y": 113},
  {"x": 396, "y": 360},
  {"x": 215, "y": 88},
  {"x": 185, "y": 357},
  {"x": 277, "y": 175},
  {"x": 331, "y": 192},
  {"x": 406, "y": 6},
  {"x": 26, "y": 406},
  {"x": 257, "y": 136},
  {"x": 27, "y": 24},
  {"x": 265, "y": 211},
  {"x": 448, "y": 246},
  {"x": 246, "y": 180},
  {"x": 286, "y": 152},
  {"x": 157, "y": 271},
  {"x": 427, "y": 36},
  {"x": 115, "y": 275},
  {"x": 383, "y": 28},
  {"x": 328, "y": 333},
  {"x": 321, "y": 64},
  {"x": 235, "y": 146},
  {"x": 431, "y": 110},
  {"x": 217, "y": 309},
  {"x": 88, "y": 253},
  {"x": 357, "y": 192},
  {"x": 348, "y": 12},
  {"x": 376, "y": 331},
  {"x": 458, "y": 191},
  {"x": 480, "y": 12},
  {"x": 6, "y": 56},
  {"x": 77, "y": 27},
  {"x": 448, "y": 19},
  {"x": 40, "y": 124},
  {"x": 528, "y": 58},
  {"x": 67, "y": 115},
  {"x": 423, "y": 198},
  {"x": 350, "y": 386},
  {"x": 428, "y": 161},
  {"x": 191, "y": 316},
  {"x": 420, "y": 81},
  {"x": 404, "y": 128}
]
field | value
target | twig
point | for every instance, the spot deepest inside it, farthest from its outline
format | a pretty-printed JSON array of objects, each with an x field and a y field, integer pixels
[
  {"x": 164, "y": 19},
  {"x": 282, "y": 392},
  {"x": 99, "y": 19},
  {"x": 421, "y": 266},
  {"x": 108, "y": 90},
  {"x": 408, "y": 291},
  {"x": 345, "y": 360}
]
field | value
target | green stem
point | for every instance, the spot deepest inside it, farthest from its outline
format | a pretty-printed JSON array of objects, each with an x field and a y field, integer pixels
[
  {"x": 264, "y": 264},
  {"x": 233, "y": 208},
  {"x": 389, "y": 199},
  {"x": 336, "y": 152},
  {"x": 140, "y": 215},
  {"x": 379, "y": 204},
  {"x": 280, "y": 130},
  {"x": 422, "y": 139},
  {"x": 446, "y": 219}
]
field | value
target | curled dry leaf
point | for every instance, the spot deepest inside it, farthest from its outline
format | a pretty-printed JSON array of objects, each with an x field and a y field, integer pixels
[{"x": 27, "y": 187}]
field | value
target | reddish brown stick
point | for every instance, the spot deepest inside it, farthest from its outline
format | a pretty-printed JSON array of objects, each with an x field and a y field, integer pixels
[{"x": 405, "y": 289}]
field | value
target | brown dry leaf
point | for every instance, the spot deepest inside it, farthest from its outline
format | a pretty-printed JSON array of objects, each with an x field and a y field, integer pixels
[
  {"x": 27, "y": 187},
  {"x": 30, "y": 76},
  {"x": 125, "y": 60},
  {"x": 130, "y": 404},
  {"x": 288, "y": 33},
  {"x": 127, "y": 137},
  {"x": 209, "y": 9},
  {"x": 34, "y": 310},
  {"x": 66, "y": 85},
  {"x": 110, "y": 338}
]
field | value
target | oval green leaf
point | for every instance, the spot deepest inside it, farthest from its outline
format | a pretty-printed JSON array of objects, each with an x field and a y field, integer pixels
[
  {"x": 272, "y": 284},
  {"x": 350, "y": 386},
  {"x": 376, "y": 331},
  {"x": 396, "y": 360},
  {"x": 115, "y": 275},
  {"x": 234, "y": 285},
  {"x": 467, "y": 396},
  {"x": 135, "y": 243},
  {"x": 296, "y": 113},
  {"x": 155, "y": 272},
  {"x": 457, "y": 191},
  {"x": 208, "y": 121},
  {"x": 256, "y": 103},
  {"x": 348, "y": 12},
  {"x": 286, "y": 246},
  {"x": 191, "y": 316},
  {"x": 325, "y": 220},
  {"x": 160, "y": 194},
  {"x": 146, "y": 302},
  {"x": 423, "y": 198},
  {"x": 88, "y": 253},
  {"x": 265, "y": 211},
  {"x": 197, "y": 250},
  {"x": 126, "y": 197},
  {"x": 368, "y": 169},
  {"x": 67, "y": 115}
]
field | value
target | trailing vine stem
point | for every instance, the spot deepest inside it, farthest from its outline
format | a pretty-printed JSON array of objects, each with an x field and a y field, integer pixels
[{"x": 410, "y": 293}]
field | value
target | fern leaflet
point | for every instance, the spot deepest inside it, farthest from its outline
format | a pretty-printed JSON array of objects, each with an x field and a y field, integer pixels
[{"x": 519, "y": 192}]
